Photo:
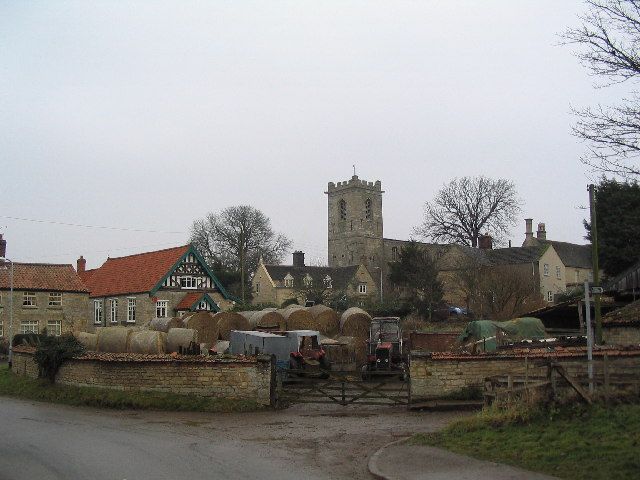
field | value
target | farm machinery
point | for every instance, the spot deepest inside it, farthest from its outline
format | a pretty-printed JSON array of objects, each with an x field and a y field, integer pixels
[{"x": 384, "y": 348}]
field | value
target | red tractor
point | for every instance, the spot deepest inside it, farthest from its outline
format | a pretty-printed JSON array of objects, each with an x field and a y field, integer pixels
[{"x": 384, "y": 348}]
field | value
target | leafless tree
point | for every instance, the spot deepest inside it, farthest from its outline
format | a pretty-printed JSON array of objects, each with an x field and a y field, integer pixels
[
  {"x": 608, "y": 42},
  {"x": 236, "y": 237},
  {"x": 467, "y": 207}
]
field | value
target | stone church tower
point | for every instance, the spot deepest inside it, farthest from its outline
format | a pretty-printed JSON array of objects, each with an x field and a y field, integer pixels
[{"x": 355, "y": 224}]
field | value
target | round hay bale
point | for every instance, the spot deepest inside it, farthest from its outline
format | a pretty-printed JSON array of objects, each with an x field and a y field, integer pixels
[
  {"x": 298, "y": 318},
  {"x": 356, "y": 348},
  {"x": 355, "y": 322},
  {"x": 227, "y": 321},
  {"x": 326, "y": 319},
  {"x": 248, "y": 314},
  {"x": 267, "y": 320},
  {"x": 180, "y": 337},
  {"x": 164, "y": 324},
  {"x": 206, "y": 326},
  {"x": 147, "y": 341},
  {"x": 114, "y": 339},
  {"x": 88, "y": 340}
]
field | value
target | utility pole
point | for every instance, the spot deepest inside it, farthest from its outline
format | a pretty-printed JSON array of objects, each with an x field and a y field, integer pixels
[{"x": 594, "y": 261}]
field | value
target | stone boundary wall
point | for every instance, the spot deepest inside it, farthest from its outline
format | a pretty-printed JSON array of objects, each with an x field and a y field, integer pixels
[
  {"x": 437, "y": 375},
  {"x": 621, "y": 334},
  {"x": 230, "y": 377}
]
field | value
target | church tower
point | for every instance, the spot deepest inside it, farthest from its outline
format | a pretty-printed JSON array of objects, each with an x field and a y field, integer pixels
[{"x": 355, "y": 223}]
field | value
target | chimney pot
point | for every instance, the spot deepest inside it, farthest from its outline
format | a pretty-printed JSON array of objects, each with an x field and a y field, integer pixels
[
  {"x": 529, "y": 230},
  {"x": 81, "y": 264},
  {"x": 541, "y": 234},
  {"x": 298, "y": 258},
  {"x": 485, "y": 242},
  {"x": 3, "y": 247}
]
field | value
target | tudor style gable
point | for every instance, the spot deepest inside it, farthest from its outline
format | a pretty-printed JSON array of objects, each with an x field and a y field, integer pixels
[{"x": 189, "y": 274}]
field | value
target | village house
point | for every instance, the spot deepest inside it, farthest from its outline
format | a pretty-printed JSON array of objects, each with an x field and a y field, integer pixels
[
  {"x": 134, "y": 289},
  {"x": 46, "y": 297},
  {"x": 278, "y": 283}
]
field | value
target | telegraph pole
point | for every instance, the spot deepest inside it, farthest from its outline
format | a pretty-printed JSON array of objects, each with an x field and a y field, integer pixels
[{"x": 594, "y": 261}]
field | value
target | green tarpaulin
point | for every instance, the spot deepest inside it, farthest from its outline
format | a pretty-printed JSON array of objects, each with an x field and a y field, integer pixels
[{"x": 485, "y": 332}]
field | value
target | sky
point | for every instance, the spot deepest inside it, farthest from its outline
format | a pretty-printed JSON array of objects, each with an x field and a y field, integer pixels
[{"x": 145, "y": 116}]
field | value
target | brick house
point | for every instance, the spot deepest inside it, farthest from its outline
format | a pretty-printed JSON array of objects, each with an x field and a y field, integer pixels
[
  {"x": 45, "y": 296},
  {"x": 278, "y": 283},
  {"x": 133, "y": 290}
]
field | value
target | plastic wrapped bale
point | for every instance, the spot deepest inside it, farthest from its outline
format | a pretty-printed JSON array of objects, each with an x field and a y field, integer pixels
[
  {"x": 206, "y": 326},
  {"x": 355, "y": 322},
  {"x": 181, "y": 337},
  {"x": 88, "y": 340},
  {"x": 114, "y": 339},
  {"x": 164, "y": 324},
  {"x": 298, "y": 318},
  {"x": 227, "y": 321},
  {"x": 326, "y": 318},
  {"x": 267, "y": 320},
  {"x": 148, "y": 342}
]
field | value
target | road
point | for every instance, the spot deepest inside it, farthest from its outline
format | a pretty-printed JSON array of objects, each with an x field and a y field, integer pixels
[{"x": 45, "y": 441}]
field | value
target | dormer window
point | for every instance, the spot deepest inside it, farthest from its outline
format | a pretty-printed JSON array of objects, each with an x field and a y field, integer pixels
[
  {"x": 288, "y": 281},
  {"x": 327, "y": 282},
  {"x": 367, "y": 209},
  {"x": 343, "y": 209},
  {"x": 308, "y": 281}
]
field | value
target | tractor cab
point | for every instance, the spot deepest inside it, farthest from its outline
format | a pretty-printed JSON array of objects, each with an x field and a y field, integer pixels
[{"x": 384, "y": 347}]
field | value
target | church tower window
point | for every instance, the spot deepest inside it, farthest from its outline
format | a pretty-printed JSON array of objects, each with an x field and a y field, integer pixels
[
  {"x": 367, "y": 209},
  {"x": 343, "y": 209}
]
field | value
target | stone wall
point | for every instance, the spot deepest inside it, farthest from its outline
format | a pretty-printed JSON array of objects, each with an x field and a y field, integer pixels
[
  {"x": 621, "y": 334},
  {"x": 441, "y": 374},
  {"x": 245, "y": 378}
]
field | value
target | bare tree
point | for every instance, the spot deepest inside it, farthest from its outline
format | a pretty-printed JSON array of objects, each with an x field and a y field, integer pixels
[
  {"x": 236, "y": 238},
  {"x": 466, "y": 207},
  {"x": 608, "y": 42}
]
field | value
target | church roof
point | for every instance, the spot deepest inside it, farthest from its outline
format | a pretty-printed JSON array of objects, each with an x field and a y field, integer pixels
[{"x": 340, "y": 276}]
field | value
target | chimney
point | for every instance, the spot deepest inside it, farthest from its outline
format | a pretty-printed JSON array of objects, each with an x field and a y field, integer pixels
[
  {"x": 528, "y": 234},
  {"x": 81, "y": 263},
  {"x": 485, "y": 242},
  {"x": 541, "y": 234},
  {"x": 3, "y": 247},
  {"x": 298, "y": 258}
]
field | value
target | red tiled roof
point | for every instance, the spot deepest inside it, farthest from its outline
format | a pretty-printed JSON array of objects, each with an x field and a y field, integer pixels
[
  {"x": 86, "y": 275},
  {"x": 188, "y": 300},
  {"x": 42, "y": 276},
  {"x": 133, "y": 274},
  {"x": 627, "y": 315}
]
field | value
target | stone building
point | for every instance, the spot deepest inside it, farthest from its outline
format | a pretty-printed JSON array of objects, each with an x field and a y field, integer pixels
[
  {"x": 133, "y": 290},
  {"x": 278, "y": 283},
  {"x": 356, "y": 236},
  {"x": 45, "y": 296}
]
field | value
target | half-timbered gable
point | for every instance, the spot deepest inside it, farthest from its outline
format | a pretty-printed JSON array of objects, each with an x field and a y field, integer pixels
[{"x": 190, "y": 274}]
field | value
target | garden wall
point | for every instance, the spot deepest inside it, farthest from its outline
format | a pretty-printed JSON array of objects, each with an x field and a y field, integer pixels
[
  {"x": 437, "y": 375},
  {"x": 231, "y": 377}
]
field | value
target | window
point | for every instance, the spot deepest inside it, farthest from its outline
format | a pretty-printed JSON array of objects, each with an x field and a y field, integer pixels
[
  {"x": 1, "y": 329},
  {"x": 557, "y": 272},
  {"x": 343, "y": 209},
  {"x": 161, "y": 308},
  {"x": 97, "y": 312},
  {"x": 288, "y": 281},
  {"x": 308, "y": 281},
  {"x": 367, "y": 209},
  {"x": 187, "y": 282},
  {"x": 203, "y": 305},
  {"x": 29, "y": 299},
  {"x": 545, "y": 269},
  {"x": 131, "y": 310},
  {"x": 394, "y": 253},
  {"x": 113, "y": 310},
  {"x": 55, "y": 299},
  {"x": 54, "y": 328},
  {"x": 327, "y": 282},
  {"x": 257, "y": 287},
  {"x": 550, "y": 296},
  {"x": 29, "y": 326},
  {"x": 362, "y": 288}
]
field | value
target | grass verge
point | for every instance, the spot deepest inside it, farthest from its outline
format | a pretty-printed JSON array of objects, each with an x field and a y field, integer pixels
[
  {"x": 42, "y": 390},
  {"x": 570, "y": 443}
]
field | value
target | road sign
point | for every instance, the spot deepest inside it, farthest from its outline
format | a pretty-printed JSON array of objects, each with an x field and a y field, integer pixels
[{"x": 596, "y": 290}]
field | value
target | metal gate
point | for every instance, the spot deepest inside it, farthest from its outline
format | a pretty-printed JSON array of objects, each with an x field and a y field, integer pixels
[{"x": 343, "y": 388}]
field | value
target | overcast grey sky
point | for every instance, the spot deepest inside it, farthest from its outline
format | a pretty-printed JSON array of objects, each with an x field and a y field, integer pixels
[{"x": 148, "y": 115}]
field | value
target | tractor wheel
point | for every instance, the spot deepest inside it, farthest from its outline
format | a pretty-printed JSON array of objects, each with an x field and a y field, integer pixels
[{"x": 295, "y": 364}]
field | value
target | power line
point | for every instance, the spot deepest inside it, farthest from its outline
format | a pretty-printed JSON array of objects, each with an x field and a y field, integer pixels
[{"x": 122, "y": 229}]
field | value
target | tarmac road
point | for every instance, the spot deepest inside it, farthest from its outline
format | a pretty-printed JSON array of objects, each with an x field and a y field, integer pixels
[{"x": 42, "y": 441}]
